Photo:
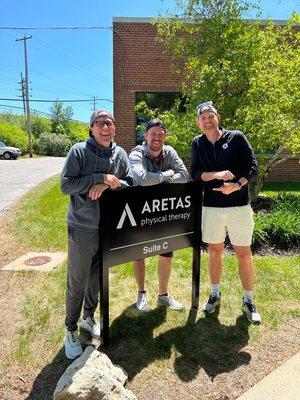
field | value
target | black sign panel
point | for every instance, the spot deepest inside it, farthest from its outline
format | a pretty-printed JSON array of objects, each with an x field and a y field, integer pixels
[{"x": 140, "y": 222}]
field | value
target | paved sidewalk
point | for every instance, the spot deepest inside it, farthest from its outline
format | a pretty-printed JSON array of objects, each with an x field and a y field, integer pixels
[
  {"x": 18, "y": 177},
  {"x": 281, "y": 384}
]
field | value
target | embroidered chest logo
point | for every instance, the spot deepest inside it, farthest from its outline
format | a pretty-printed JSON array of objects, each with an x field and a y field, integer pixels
[{"x": 225, "y": 146}]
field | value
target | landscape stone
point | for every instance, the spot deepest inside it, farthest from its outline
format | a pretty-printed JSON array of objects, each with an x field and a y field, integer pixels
[{"x": 93, "y": 376}]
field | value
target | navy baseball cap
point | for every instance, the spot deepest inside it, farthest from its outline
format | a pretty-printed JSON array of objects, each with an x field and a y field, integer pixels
[{"x": 155, "y": 122}]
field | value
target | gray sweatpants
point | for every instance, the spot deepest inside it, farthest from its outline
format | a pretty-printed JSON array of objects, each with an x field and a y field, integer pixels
[{"x": 82, "y": 275}]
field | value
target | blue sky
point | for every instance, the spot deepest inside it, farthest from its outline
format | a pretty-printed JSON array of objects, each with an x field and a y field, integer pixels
[{"x": 75, "y": 64}]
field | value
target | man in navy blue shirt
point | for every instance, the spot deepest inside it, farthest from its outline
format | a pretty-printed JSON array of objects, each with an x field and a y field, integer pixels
[{"x": 224, "y": 161}]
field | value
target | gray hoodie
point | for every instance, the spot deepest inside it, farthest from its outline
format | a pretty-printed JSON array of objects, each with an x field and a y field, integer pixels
[
  {"x": 85, "y": 165},
  {"x": 149, "y": 171}
]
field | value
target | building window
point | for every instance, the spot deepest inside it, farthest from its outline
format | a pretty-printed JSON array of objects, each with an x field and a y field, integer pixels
[{"x": 153, "y": 103}]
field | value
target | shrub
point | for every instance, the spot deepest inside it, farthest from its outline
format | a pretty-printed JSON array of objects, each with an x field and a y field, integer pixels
[
  {"x": 78, "y": 132},
  {"x": 260, "y": 235},
  {"x": 280, "y": 226},
  {"x": 39, "y": 125},
  {"x": 284, "y": 229},
  {"x": 287, "y": 202},
  {"x": 13, "y": 135},
  {"x": 52, "y": 144}
]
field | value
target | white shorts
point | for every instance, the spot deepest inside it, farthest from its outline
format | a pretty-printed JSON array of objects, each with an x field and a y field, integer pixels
[{"x": 236, "y": 221}]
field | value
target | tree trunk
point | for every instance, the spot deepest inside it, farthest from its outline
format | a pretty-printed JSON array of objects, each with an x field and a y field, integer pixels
[{"x": 256, "y": 185}]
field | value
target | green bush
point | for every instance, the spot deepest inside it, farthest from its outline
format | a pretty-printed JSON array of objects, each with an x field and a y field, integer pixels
[
  {"x": 287, "y": 202},
  {"x": 260, "y": 235},
  {"x": 13, "y": 135},
  {"x": 281, "y": 226},
  {"x": 284, "y": 229},
  {"x": 39, "y": 125},
  {"x": 52, "y": 144},
  {"x": 78, "y": 132}
]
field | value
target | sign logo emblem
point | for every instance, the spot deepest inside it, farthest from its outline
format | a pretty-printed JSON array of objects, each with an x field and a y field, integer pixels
[
  {"x": 225, "y": 146},
  {"x": 127, "y": 212}
]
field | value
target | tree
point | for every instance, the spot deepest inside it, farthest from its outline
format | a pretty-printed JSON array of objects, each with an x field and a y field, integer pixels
[
  {"x": 60, "y": 118},
  {"x": 250, "y": 70}
]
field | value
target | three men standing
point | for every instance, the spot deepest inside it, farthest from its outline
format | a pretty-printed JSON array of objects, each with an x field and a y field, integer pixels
[
  {"x": 224, "y": 161},
  {"x": 220, "y": 158}
]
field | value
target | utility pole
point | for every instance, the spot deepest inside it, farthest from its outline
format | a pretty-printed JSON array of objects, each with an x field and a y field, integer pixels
[
  {"x": 94, "y": 103},
  {"x": 25, "y": 38},
  {"x": 23, "y": 89}
]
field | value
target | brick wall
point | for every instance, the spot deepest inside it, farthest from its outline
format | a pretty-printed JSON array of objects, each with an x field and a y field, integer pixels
[
  {"x": 288, "y": 171},
  {"x": 140, "y": 65}
]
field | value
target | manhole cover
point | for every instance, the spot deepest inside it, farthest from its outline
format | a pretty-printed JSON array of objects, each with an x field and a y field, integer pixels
[{"x": 38, "y": 260}]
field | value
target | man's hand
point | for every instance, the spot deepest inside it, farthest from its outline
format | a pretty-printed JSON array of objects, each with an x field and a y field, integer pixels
[
  {"x": 228, "y": 188},
  {"x": 97, "y": 190},
  {"x": 112, "y": 181},
  {"x": 169, "y": 173},
  {"x": 224, "y": 175}
]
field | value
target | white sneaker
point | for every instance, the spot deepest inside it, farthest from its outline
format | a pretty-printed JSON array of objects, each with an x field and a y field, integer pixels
[
  {"x": 249, "y": 308},
  {"x": 73, "y": 348},
  {"x": 142, "y": 302},
  {"x": 168, "y": 301},
  {"x": 89, "y": 324}
]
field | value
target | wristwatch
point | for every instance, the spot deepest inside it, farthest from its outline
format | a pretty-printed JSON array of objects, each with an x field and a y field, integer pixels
[{"x": 239, "y": 183}]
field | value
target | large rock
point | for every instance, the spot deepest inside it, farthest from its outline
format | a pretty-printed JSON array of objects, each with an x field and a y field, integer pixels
[{"x": 93, "y": 376}]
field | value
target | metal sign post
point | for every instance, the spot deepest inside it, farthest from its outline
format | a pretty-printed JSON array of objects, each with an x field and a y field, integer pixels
[{"x": 143, "y": 221}]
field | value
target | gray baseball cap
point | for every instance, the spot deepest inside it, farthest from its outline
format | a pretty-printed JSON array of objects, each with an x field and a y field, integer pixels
[
  {"x": 207, "y": 106},
  {"x": 98, "y": 114}
]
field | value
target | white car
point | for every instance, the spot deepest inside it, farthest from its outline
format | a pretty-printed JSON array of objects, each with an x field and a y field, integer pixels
[{"x": 8, "y": 152}]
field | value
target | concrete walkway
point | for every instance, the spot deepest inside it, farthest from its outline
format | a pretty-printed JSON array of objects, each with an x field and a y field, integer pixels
[
  {"x": 17, "y": 177},
  {"x": 281, "y": 384}
]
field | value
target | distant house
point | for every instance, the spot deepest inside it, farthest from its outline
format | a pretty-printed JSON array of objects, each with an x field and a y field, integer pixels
[{"x": 142, "y": 70}]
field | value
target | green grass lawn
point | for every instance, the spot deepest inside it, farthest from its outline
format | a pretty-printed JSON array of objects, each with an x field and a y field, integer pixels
[
  {"x": 161, "y": 336},
  {"x": 273, "y": 188}
]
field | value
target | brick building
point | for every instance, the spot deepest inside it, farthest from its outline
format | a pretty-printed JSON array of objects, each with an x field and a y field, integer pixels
[{"x": 141, "y": 66}]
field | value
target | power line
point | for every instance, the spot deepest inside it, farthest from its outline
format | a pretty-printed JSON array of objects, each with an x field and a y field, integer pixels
[
  {"x": 57, "y": 100},
  {"x": 21, "y": 108},
  {"x": 54, "y": 27},
  {"x": 47, "y": 48},
  {"x": 34, "y": 111},
  {"x": 73, "y": 28}
]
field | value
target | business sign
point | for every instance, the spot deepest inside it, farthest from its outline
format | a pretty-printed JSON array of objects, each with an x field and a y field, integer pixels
[{"x": 140, "y": 222}]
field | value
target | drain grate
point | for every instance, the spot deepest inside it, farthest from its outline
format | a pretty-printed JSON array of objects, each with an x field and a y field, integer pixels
[{"x": 37, "y": 261}]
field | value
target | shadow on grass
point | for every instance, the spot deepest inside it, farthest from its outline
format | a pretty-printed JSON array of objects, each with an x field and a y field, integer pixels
[
  {"x": 45, "y": 383},
  {"x": 204, "y": 343}
]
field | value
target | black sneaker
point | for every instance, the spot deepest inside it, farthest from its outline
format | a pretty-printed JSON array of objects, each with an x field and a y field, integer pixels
[
  {"x": 249, "y": 308},
  {"x": 213, "y": 302}
]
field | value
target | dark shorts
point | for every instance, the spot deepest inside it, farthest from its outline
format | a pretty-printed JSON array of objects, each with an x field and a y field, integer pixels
[{"x": 168, "y": 255}]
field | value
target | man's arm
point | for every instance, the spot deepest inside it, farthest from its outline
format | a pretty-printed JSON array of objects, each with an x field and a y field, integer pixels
[
  {"x": 141, "y": 176},
  {"x": 126, "y": 177},
  {"x": 220, "y": 175},
  {"x": 72, "y": 182},
  {"x": 181, "y": 174},
  {"x": 198, "y": 171},
  {"x": 197, "y": 167},
  {"x": 249, "y": 167}
]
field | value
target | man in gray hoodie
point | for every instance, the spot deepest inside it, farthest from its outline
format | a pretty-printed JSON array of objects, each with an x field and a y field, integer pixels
[
  {"x": 90, "y": 168},
  {"x": 154, "y": 163}
]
